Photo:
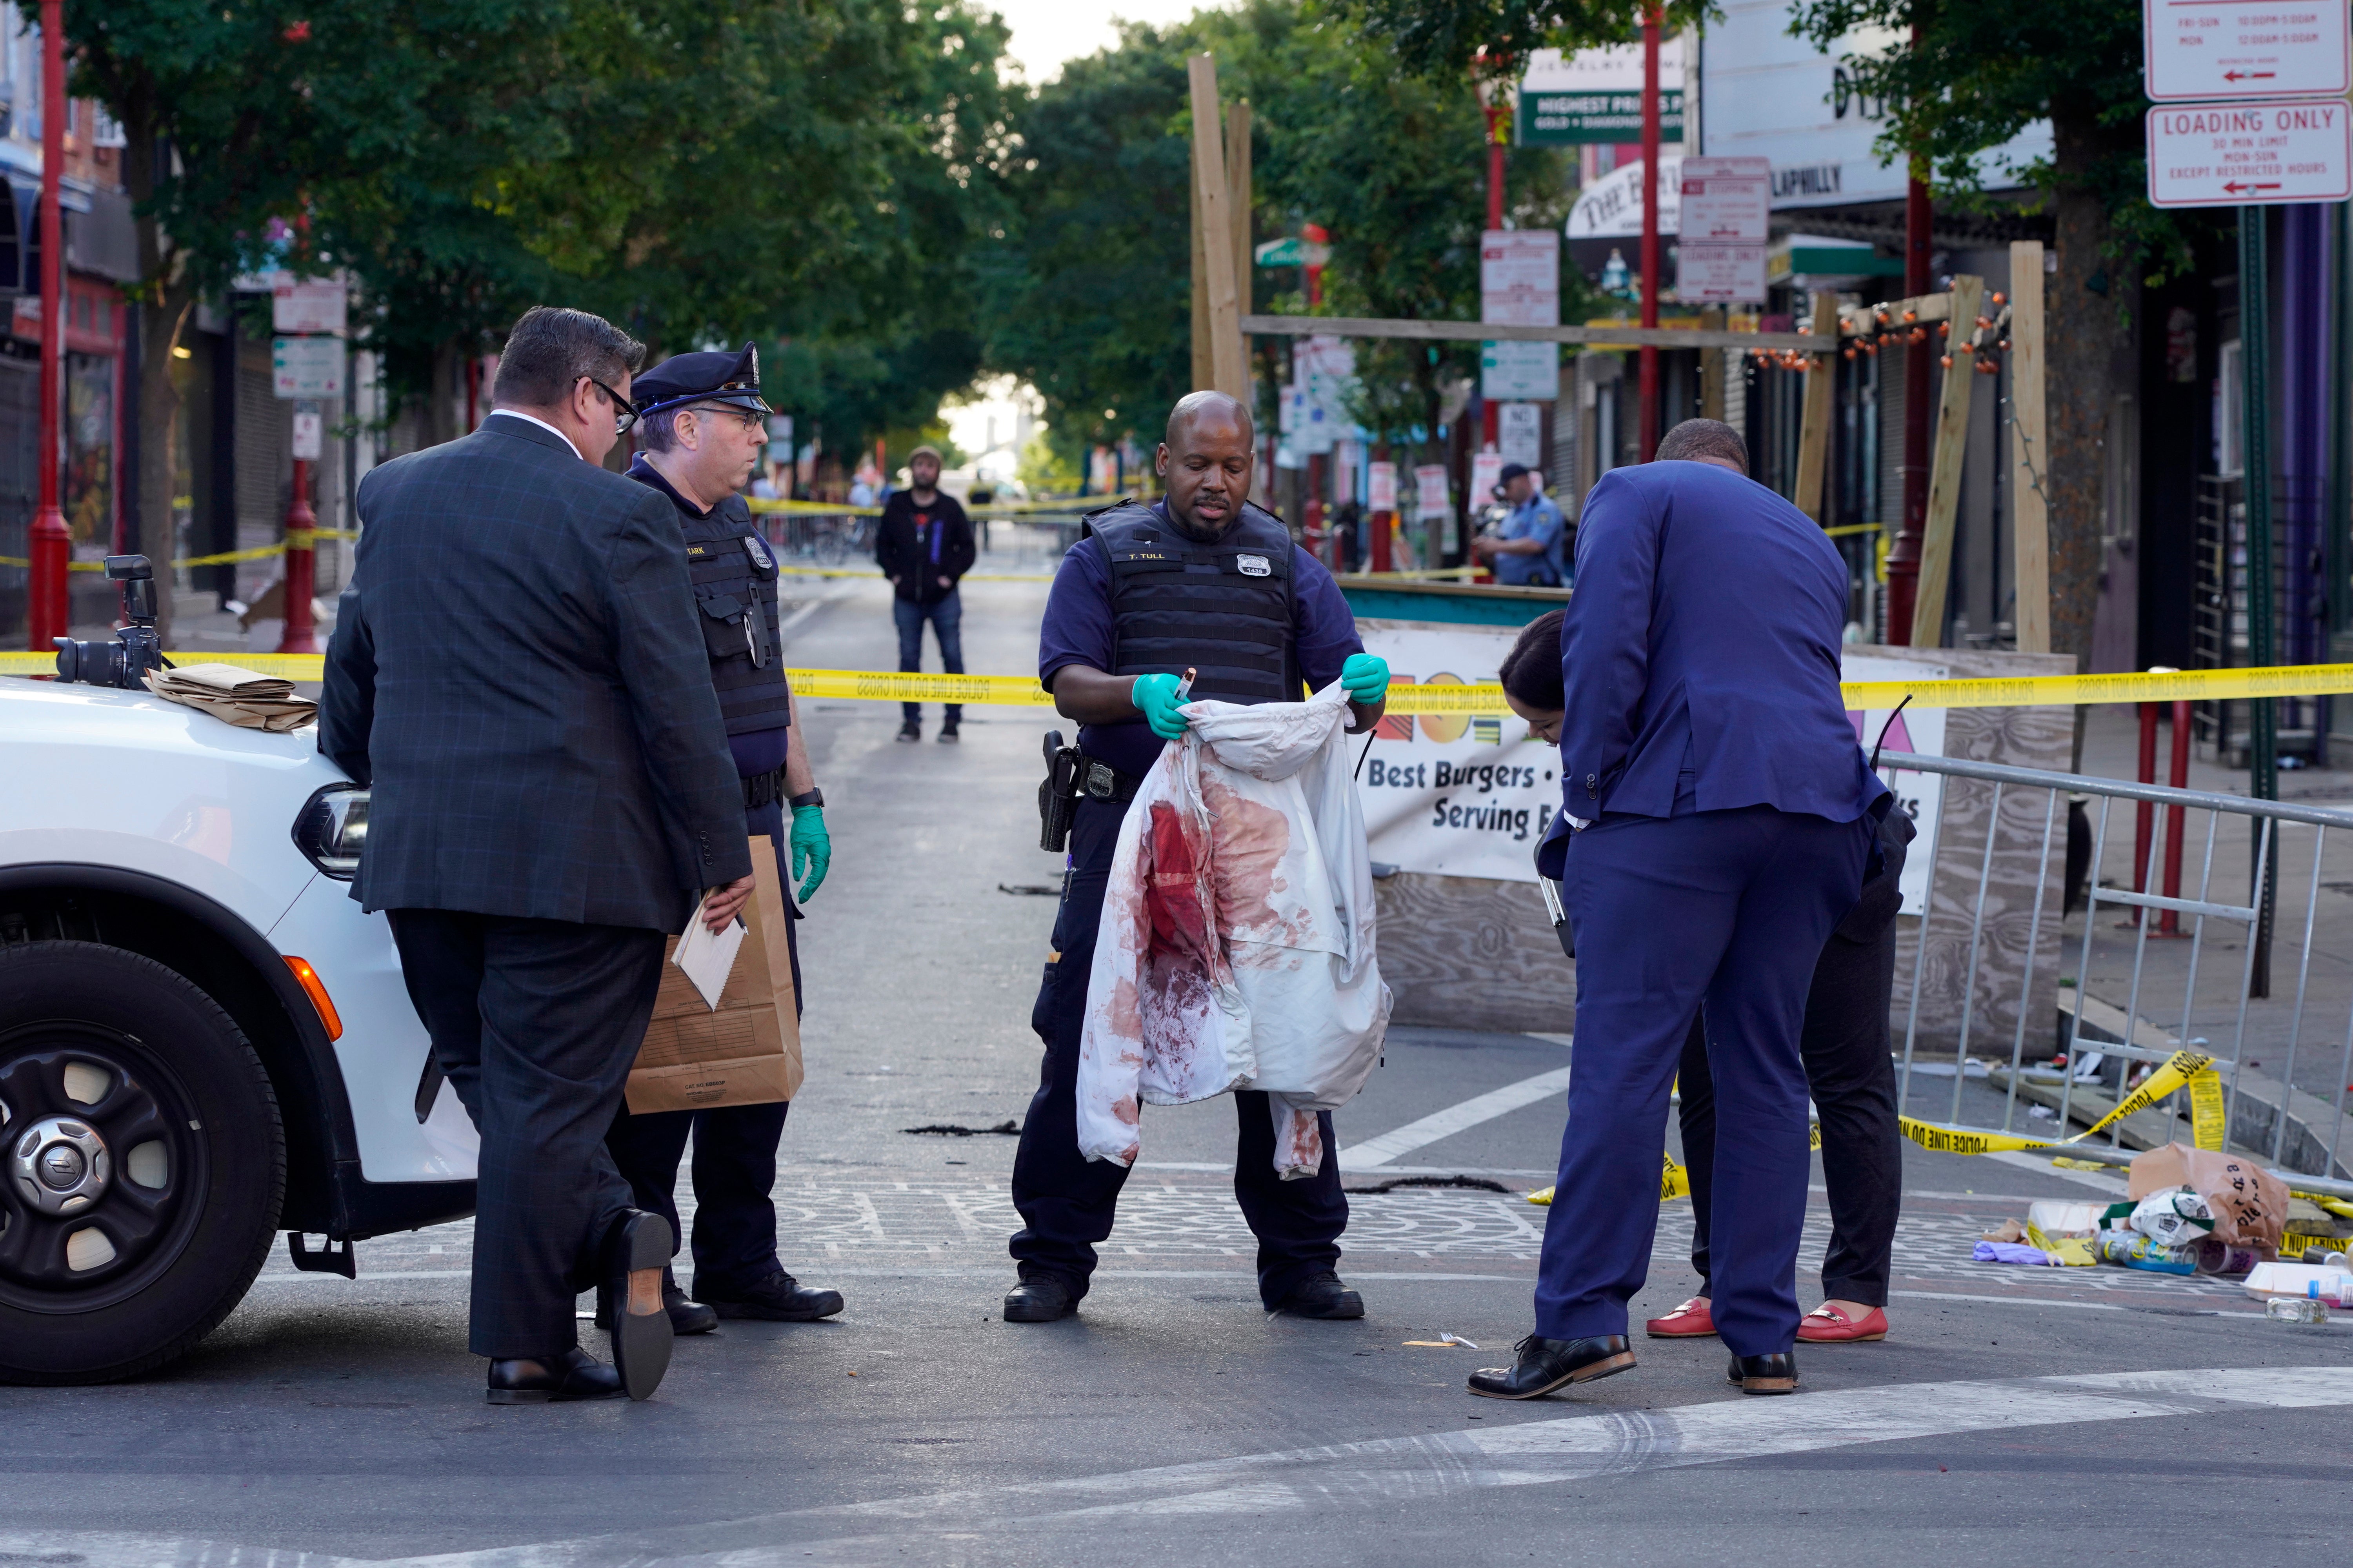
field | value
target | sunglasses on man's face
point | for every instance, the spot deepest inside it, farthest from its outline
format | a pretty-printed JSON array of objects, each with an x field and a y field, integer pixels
[{"x": 625, "y": 413}]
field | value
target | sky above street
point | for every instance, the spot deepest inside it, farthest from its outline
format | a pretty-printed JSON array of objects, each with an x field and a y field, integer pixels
[{"x": 1047, "y": 32}]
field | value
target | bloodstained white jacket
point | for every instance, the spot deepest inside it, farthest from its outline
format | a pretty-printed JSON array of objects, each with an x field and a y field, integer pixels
[{"x": 1236, "y": 949}]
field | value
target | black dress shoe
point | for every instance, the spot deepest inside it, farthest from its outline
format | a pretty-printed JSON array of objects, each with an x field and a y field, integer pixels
[
  {"x": 1039, "y": 1301},
  {"x": 636, "y": 1252},
  {"x": 778, "y": 1299},
  {"x": 911, "y": 731},
  {"x": 1321, "y": 1296},
  {"x": 1775, "y": 1373},
  {"x": 1543, "y": 1365},
  {"x": 552, "y": 1380},
  {"x": 686, "y": 1317}
]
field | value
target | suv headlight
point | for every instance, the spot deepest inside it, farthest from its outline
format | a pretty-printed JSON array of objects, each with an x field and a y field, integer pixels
[{"x": 333, "y": 829}]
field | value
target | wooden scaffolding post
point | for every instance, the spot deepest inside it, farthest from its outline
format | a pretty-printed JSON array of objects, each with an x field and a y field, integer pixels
[
  {"x": 1951, "y": 445},
  {"x": 1238, "y": 196},
  {"x": 2029, "y": 452},
  {"x": 1216, "y": 231},
  {"x": 1204, "y": 373},
  {"x": 1814, "y": 433}
]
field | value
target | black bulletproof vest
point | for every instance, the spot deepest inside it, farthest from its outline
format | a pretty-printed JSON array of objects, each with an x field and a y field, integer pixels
[
  {"x": 1224, "y": 609},
  {"x": 736, "y": 590}
]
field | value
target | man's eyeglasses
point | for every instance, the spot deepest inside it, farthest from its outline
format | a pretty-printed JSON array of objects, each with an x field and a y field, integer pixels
[
  {"x": 749, "y": 421},
  {"x": 625, "y": 413}
]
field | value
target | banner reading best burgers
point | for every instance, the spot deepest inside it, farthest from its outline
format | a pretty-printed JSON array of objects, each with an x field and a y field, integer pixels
[
  {"x": 1462, "y": 795},
  {"x": 1453, "y": 793}
]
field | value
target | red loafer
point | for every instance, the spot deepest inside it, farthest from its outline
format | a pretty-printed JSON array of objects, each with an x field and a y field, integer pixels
[
  {"x": 1692, "y": 1320},
  {"x": 1826, "y": 1325}
]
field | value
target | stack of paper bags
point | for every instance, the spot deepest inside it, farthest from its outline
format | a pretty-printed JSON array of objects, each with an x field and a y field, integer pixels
[{"x": 235, "y": 695}]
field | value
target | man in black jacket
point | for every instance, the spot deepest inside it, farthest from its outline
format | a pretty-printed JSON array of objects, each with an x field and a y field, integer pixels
[
  {"x": 517, "y": 673},
  {"x": 923, "y": 546}
]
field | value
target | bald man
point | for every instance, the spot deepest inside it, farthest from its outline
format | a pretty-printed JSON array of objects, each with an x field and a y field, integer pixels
[{"x": 1200, "y": 579}]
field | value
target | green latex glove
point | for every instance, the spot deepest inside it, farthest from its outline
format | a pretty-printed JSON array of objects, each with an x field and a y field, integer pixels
[
  {"x": 1366, "y": 678},
  {"x": 812, "y": 849},
  {"x": 1155, "y": 697}
]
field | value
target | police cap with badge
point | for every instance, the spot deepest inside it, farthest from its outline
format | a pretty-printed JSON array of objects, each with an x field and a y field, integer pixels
[{"x": 734, "y": 570}]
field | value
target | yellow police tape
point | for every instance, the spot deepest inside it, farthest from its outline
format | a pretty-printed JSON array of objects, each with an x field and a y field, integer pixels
[
  {"x": 1001, "y": 509},
  {"x": 1411, "y": 697},
  {"x": 225, "y": 558},
  {"x": 2190, "y": 1070}
]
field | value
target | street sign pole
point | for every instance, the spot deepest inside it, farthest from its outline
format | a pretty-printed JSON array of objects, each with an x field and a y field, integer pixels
[
  {"x": 2262, "y": 713},
  {"x": 1649, "y": 375},
  {"x": 47, "y": 612}
]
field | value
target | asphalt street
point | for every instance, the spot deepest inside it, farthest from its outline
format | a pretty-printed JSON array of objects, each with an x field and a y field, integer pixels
[{"x": 2083, "y": 1416}]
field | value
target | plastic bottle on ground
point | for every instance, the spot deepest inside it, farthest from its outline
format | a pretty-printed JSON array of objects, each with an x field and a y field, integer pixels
[{"x": 2294, "y": 1309}]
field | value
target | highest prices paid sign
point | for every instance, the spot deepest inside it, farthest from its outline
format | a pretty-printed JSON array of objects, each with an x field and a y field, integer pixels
[{"x": 2243, "y": 155}]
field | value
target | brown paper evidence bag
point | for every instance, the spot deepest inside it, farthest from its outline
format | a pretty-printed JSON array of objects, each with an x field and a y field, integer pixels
[{"x": 747, "y": 1051}]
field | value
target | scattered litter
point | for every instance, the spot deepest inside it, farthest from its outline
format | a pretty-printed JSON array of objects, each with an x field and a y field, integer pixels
[
  {"x": 2041, "y": 1114},
  {"x": 1476, "y": 1184},
  {"x": 2288, "y": 1309},
  {"x": 2134, "y": 1251},
  {"x": 1972, "y": 1067},
  {"x": 1458, "y": 1340},
  {"x": 2176, "y": 1218},
  {"x": 1443, "y": 1343},
  {"x": 2067, "y": 1162},
  {"x": 2065, "y": 1230},
  {"x": 1541, "y": 1197},
  {"x": 1007, "y": 1128},
  {"x": 2009, "y": 1252},
  {"x": 2010, "y": 1233},
  {"x": 1031, "y": 890},
  {"x": 2301, "y": 1282}
]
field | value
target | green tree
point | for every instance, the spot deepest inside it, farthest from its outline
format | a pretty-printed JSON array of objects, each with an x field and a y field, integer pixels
[
  {"x": 233, "y": 117},
  {"x": 1971, "y": 79},
  {"x": 1091, "y": 293}
]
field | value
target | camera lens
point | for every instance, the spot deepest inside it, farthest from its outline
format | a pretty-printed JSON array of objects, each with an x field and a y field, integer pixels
[{"x": 93, "y": 663}]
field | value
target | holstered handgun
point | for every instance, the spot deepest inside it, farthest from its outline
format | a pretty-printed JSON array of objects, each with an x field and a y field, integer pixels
[{"x": 1058, "y": 795}]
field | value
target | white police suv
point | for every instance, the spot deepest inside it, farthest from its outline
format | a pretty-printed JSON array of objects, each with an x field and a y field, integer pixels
[{"x": 202, "y": 1039}]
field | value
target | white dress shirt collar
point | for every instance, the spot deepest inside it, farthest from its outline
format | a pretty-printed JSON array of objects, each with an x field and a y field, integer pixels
[{"x": 536, "y": 419}]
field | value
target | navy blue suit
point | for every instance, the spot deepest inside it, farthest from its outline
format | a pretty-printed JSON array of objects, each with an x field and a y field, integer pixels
[{"x": 1706, "y": 741}]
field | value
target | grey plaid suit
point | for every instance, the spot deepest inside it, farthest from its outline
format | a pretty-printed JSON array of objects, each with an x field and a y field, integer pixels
[{"x": 516, "y": 672}]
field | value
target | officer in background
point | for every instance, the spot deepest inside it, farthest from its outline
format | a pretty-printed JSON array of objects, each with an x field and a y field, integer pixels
[
  {"x": 1203, "y": 579},
  {"x": 701, "y": 425}
]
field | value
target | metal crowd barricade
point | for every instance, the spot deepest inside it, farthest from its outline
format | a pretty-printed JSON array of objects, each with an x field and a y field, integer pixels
[{"x": 2260, "y": 841}]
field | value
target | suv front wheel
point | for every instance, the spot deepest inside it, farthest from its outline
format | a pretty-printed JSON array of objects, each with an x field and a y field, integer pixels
[{"x": 141, "y": 1163}]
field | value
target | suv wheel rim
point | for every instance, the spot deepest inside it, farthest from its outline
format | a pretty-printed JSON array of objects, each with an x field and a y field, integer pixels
[{"x": 101, "y": 1168}]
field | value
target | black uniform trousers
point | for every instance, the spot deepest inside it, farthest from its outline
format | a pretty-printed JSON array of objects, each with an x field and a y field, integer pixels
[
  {"x": 1852, "y": 1080},
  {"x": 536, "y": 1023},
  {"x": 1068, "y": 1202},
  {"x": 734, "y": 1148}
]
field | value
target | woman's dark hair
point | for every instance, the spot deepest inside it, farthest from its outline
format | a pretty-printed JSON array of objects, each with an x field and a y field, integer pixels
[{"x": 1532, "y": 669}]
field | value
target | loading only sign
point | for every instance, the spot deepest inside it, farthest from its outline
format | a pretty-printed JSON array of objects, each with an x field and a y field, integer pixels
[
  {"x": 2249, "y": 154},
  {"x": 2205, "y": 50}
]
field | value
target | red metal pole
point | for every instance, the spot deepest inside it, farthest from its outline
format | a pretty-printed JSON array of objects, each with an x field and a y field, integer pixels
[
  {"x": 301, "y": 560},
  {"x": 47, "y": 616},
  {"x": 1650, "y": 355},
  {"x": 1311, "y": 511},
  {"x": 1903, "y": 554}
]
